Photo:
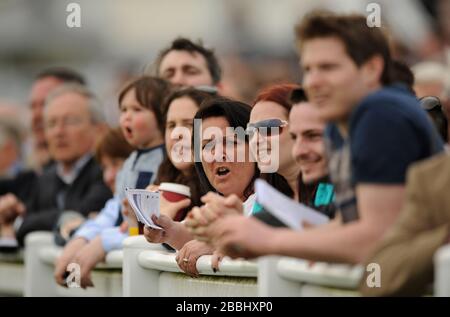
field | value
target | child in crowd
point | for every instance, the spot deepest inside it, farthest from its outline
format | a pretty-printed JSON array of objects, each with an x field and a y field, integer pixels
[{"x": 141, "y": 123}]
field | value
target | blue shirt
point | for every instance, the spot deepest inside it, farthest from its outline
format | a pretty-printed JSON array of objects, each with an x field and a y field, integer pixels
[
  {"x": 139, "y": 170},
  {"x": 388, "y": 131},
  {"x": 107, "y": 218}
]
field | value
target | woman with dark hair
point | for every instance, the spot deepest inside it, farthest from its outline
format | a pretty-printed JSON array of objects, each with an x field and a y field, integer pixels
[
  {"x": 223, "y": 165},
  {"x": 224, "y": 172}
]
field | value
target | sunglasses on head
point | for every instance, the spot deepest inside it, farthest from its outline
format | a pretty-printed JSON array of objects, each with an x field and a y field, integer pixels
[
  {"x": 430, "y": 102},
  {"x": 266, "y": 127}
]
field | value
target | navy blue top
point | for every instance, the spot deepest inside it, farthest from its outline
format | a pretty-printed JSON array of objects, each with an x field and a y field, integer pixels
[{"x": 388, "y": 131}]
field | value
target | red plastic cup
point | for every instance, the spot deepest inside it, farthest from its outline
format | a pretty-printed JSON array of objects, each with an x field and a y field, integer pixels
[{"x": 175, "y": 192}]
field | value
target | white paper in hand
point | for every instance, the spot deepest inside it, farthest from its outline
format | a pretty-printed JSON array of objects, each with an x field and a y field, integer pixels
[
  {"x": 144, "y": 204},
  {"x": 287, "y": 210}
]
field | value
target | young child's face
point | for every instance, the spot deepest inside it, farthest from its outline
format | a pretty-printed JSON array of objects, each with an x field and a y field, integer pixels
[{"x": 138, "y": 124}]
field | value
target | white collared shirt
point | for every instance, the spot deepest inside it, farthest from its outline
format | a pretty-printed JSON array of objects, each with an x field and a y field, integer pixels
[{"x": 69, "y": 177}]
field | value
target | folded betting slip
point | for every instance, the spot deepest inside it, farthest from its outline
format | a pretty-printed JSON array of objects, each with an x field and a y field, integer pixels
[
  {"x": 144, "y": 204},
  {"x": 287, "y": 210}
]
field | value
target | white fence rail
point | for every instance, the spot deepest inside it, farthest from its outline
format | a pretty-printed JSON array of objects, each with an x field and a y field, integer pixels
[
  {"x": 442, "y": 271},
  {"x": 294, "y": 277},
  {"x": 151, "y": 270},
  {"x": 144, "y": 269},
  {"x": 12, "y": 272}
]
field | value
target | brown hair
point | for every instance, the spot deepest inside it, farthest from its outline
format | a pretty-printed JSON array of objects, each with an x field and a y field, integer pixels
[
  {"x": 113, "y": 145},
  {"x": 150, "y": 93},
  {"x": 361, "y": 41},
  {"x": 196, "y": 95}
]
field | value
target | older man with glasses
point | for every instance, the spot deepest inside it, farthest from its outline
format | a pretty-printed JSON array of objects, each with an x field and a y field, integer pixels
[{"x": 73, "y": 119}]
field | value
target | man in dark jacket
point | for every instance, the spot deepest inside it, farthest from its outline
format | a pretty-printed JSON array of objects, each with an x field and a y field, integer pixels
[
  {"x": 73, "y": 120},
  {"x": 44, "y": 83}
]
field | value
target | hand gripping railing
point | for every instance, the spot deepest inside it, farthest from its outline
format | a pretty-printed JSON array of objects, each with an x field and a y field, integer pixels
[
  {"x": 40, "y": 256},
  {"x": 151, "y": 270}
]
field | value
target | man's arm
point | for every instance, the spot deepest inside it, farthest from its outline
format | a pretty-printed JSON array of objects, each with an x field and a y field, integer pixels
[
  {"x": 43, "y": 220},
  {"x": 238, "y": 236},
  {"x": 405, "y": 254},
  {"x": 378, "y": 207},
  {"x": 107, "y": 218}
]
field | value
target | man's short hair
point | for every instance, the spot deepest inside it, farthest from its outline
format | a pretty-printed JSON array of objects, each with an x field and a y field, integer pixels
[
  {"x": 297, "y": 96},
  {"x": 95, "y": 108},
  {"x": 63, "y": 74},
  {"x": 360, "y": 41},
  {"x": 184, "y": 44},
  {"x": 401, "y": 73}
]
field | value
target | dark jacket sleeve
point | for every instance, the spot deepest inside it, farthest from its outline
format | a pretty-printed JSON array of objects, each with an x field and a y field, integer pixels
[
  {"x": 20, "y": 186},
  {"x": 43, "y": 221},
  {"x": 87, "y": 193}
]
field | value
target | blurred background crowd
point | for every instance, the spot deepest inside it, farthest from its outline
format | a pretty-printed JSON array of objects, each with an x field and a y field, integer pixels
[{"x": 253, "y": 39}]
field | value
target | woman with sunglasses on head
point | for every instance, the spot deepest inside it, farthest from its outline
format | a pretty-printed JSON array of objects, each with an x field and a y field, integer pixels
[
  {"x": 303, "y": 166},
  {"x": 270, "y": 141}
]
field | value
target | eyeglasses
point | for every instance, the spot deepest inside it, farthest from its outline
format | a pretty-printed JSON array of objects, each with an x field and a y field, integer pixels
[
  {"x": 66, "y": 121},
  {"x": 268, "y": 127},
  {"x": 430, "y": 102}
]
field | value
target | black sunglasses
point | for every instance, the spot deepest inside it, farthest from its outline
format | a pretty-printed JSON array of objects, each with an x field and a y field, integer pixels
[
  {"x": 430, "y": 102},
  {"x": 266, "y": 127}
]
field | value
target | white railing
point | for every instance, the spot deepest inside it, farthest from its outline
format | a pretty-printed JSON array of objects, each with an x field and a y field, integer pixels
[
  {"x": 151, "y": 270},
  {"x": 40, "y": 256},
  {"x": 295, "y": 277},
  {"x": 12, "y": 272},
  {"x": 442, "y": 271}
]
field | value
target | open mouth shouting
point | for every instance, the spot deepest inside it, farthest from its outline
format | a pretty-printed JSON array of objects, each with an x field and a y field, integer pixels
[{"x": 221, "y": 172}]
